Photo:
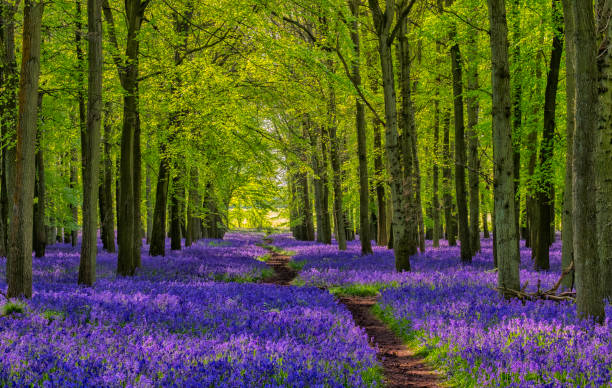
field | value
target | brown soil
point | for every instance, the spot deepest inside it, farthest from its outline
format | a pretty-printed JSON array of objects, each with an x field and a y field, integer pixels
[
  {"x": 401, "y": 367},
  {"x": 283, "y": 274}
]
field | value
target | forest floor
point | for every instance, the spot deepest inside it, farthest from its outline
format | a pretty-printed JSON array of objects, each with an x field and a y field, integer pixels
[
  {"x": 402, "y": 367},
  {"x": 202, "y": 317}
]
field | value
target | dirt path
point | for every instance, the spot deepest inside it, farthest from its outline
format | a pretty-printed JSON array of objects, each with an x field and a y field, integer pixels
[
  {"x": 283, "y": 274},
  {"x": 401, "y": 367}
]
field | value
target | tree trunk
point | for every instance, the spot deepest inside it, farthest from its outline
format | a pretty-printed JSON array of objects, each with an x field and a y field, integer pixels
[
  {"x": 589, "y": 298},
  {"x": 40, "y": 233},
  {"x": 128, "y": 213},
  {"x": 544, "y": 196},
  {"x": 193, "y": 220},
  {"x": 381, "y": 202},
  {"x": 604, "y": 142},
  {"x": 90, "y": 145},
  {"x": 435, "y": 174},
  {"x": 407, "y": 146},
  {"x": 19, "y": 260},
  {"x": 149, "y": 201},
  {"x": 108, "y": 229},
  {"x": 567, "y": 250},
  {"x": 316, "y": 180},
  {"x": 404, "y": 244},
  {"x": 9, "y": 82},
  {"x": 460, "y": 153},
  {"x": 506, "y": 233},
  {"x": 473, "y": 107},
  {"x": 325, "y": 216},
  {"x": 334, "y": 152},
  {"x": 446, "y": 183},
  {"x": 485, "y": 226},
  {"x": 364, "y": 192},
  {"x": 517, "y": 95},
  {"x": 175, "y": 213}
]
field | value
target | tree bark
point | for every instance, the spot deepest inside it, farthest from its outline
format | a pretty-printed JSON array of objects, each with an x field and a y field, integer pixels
[
  {"x": 544, "y": 196},
  {"x": 449, "y": 219},
  {"x": 485, "y": 226},
  {"x": 193, "y": 220},
  {"x": 567, "y": 250},
  {"x": 90, "y": 145},
  {"x": 334, "y": 152},
  {"x": 435, "y": 175},
  {"x": 175, "y": 213},
  {"x": 364, "y": 192},
  {"x": 381, "y": 202},
  {"x": 589, "y": 298},
  {"x": 516, "y": 98},
  {"x": 325, "y": 216},
  {"x": 473, "y": 108},
  {"x": 604, "y": 142},
  {"x": 8, "y": 118},
  {"x": 506, "y": 233},
  {"x": 40, "y": 232},
  {"x": 129, "y": 185},
  {"x": 108, "y": 229},
  {"x": 19, "y": 260},
  {"x": 460, "y": 153}
]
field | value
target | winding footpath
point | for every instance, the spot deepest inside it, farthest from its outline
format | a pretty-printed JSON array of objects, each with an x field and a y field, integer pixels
[{"x": 401, "y": 366}]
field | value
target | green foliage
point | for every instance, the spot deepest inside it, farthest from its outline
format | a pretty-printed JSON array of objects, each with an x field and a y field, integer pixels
[{"x": 12, "y": 308}]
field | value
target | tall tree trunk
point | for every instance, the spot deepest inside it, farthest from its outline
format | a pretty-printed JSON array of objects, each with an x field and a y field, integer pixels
[
  {"x": 473, "y": 107},
  {"x": 129, "y": 183},
  {"x": 404, "y": 242},
  {"x": 408, "y": 142},
  {"x": 8, "y": 118},
  {"x": 604, "y": 151},
  {"x": 381, "y": 202},
  {"x": 517, "y": 95},
  {"x": 19, "y": 260},
  {"x": 485, "y": 226},
  {"x": 90, "y": 145},
  {"x": 193, "y": 220},
  {"x": 567, "y": 250},
  {"x": 364, "y": 192},
  {"x": 78, "y": 38},
  {"x": 149, "y": 200},
  {"x": 334, "y": 152},
  {"x": 325, "y": 216},
  {"x": 108, "y": 229},
  {"x": 589, "y": 298},
  {"x": 316, "y": 180},
  {"x": 175, "y": 213},
  {"x": 506, "y": 233},
  {"x": 544, "y": 196},
  {"x": 40, "y": 233},
  {"x": 446, "y": 183},
  {"x": 460, "y": 153},
  {"x": 436, "y": 179}
]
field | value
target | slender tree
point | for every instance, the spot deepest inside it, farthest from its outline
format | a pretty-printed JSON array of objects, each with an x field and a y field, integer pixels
[
  {"x": 544, "y": 194},
  {"x": 90, "y": 145},
  {"x": 460, "y": 149},
  {"x": 364, "y": 192},
  {"x": 589, "y": 299},
  {"x": 505, "y": 232},
  {"x": 604, "y": 143},
  {"x": 19, "y": 260}
]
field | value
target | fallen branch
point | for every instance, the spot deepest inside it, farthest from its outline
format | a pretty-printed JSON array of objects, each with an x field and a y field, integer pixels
[{"x": 550, "y": 294}]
